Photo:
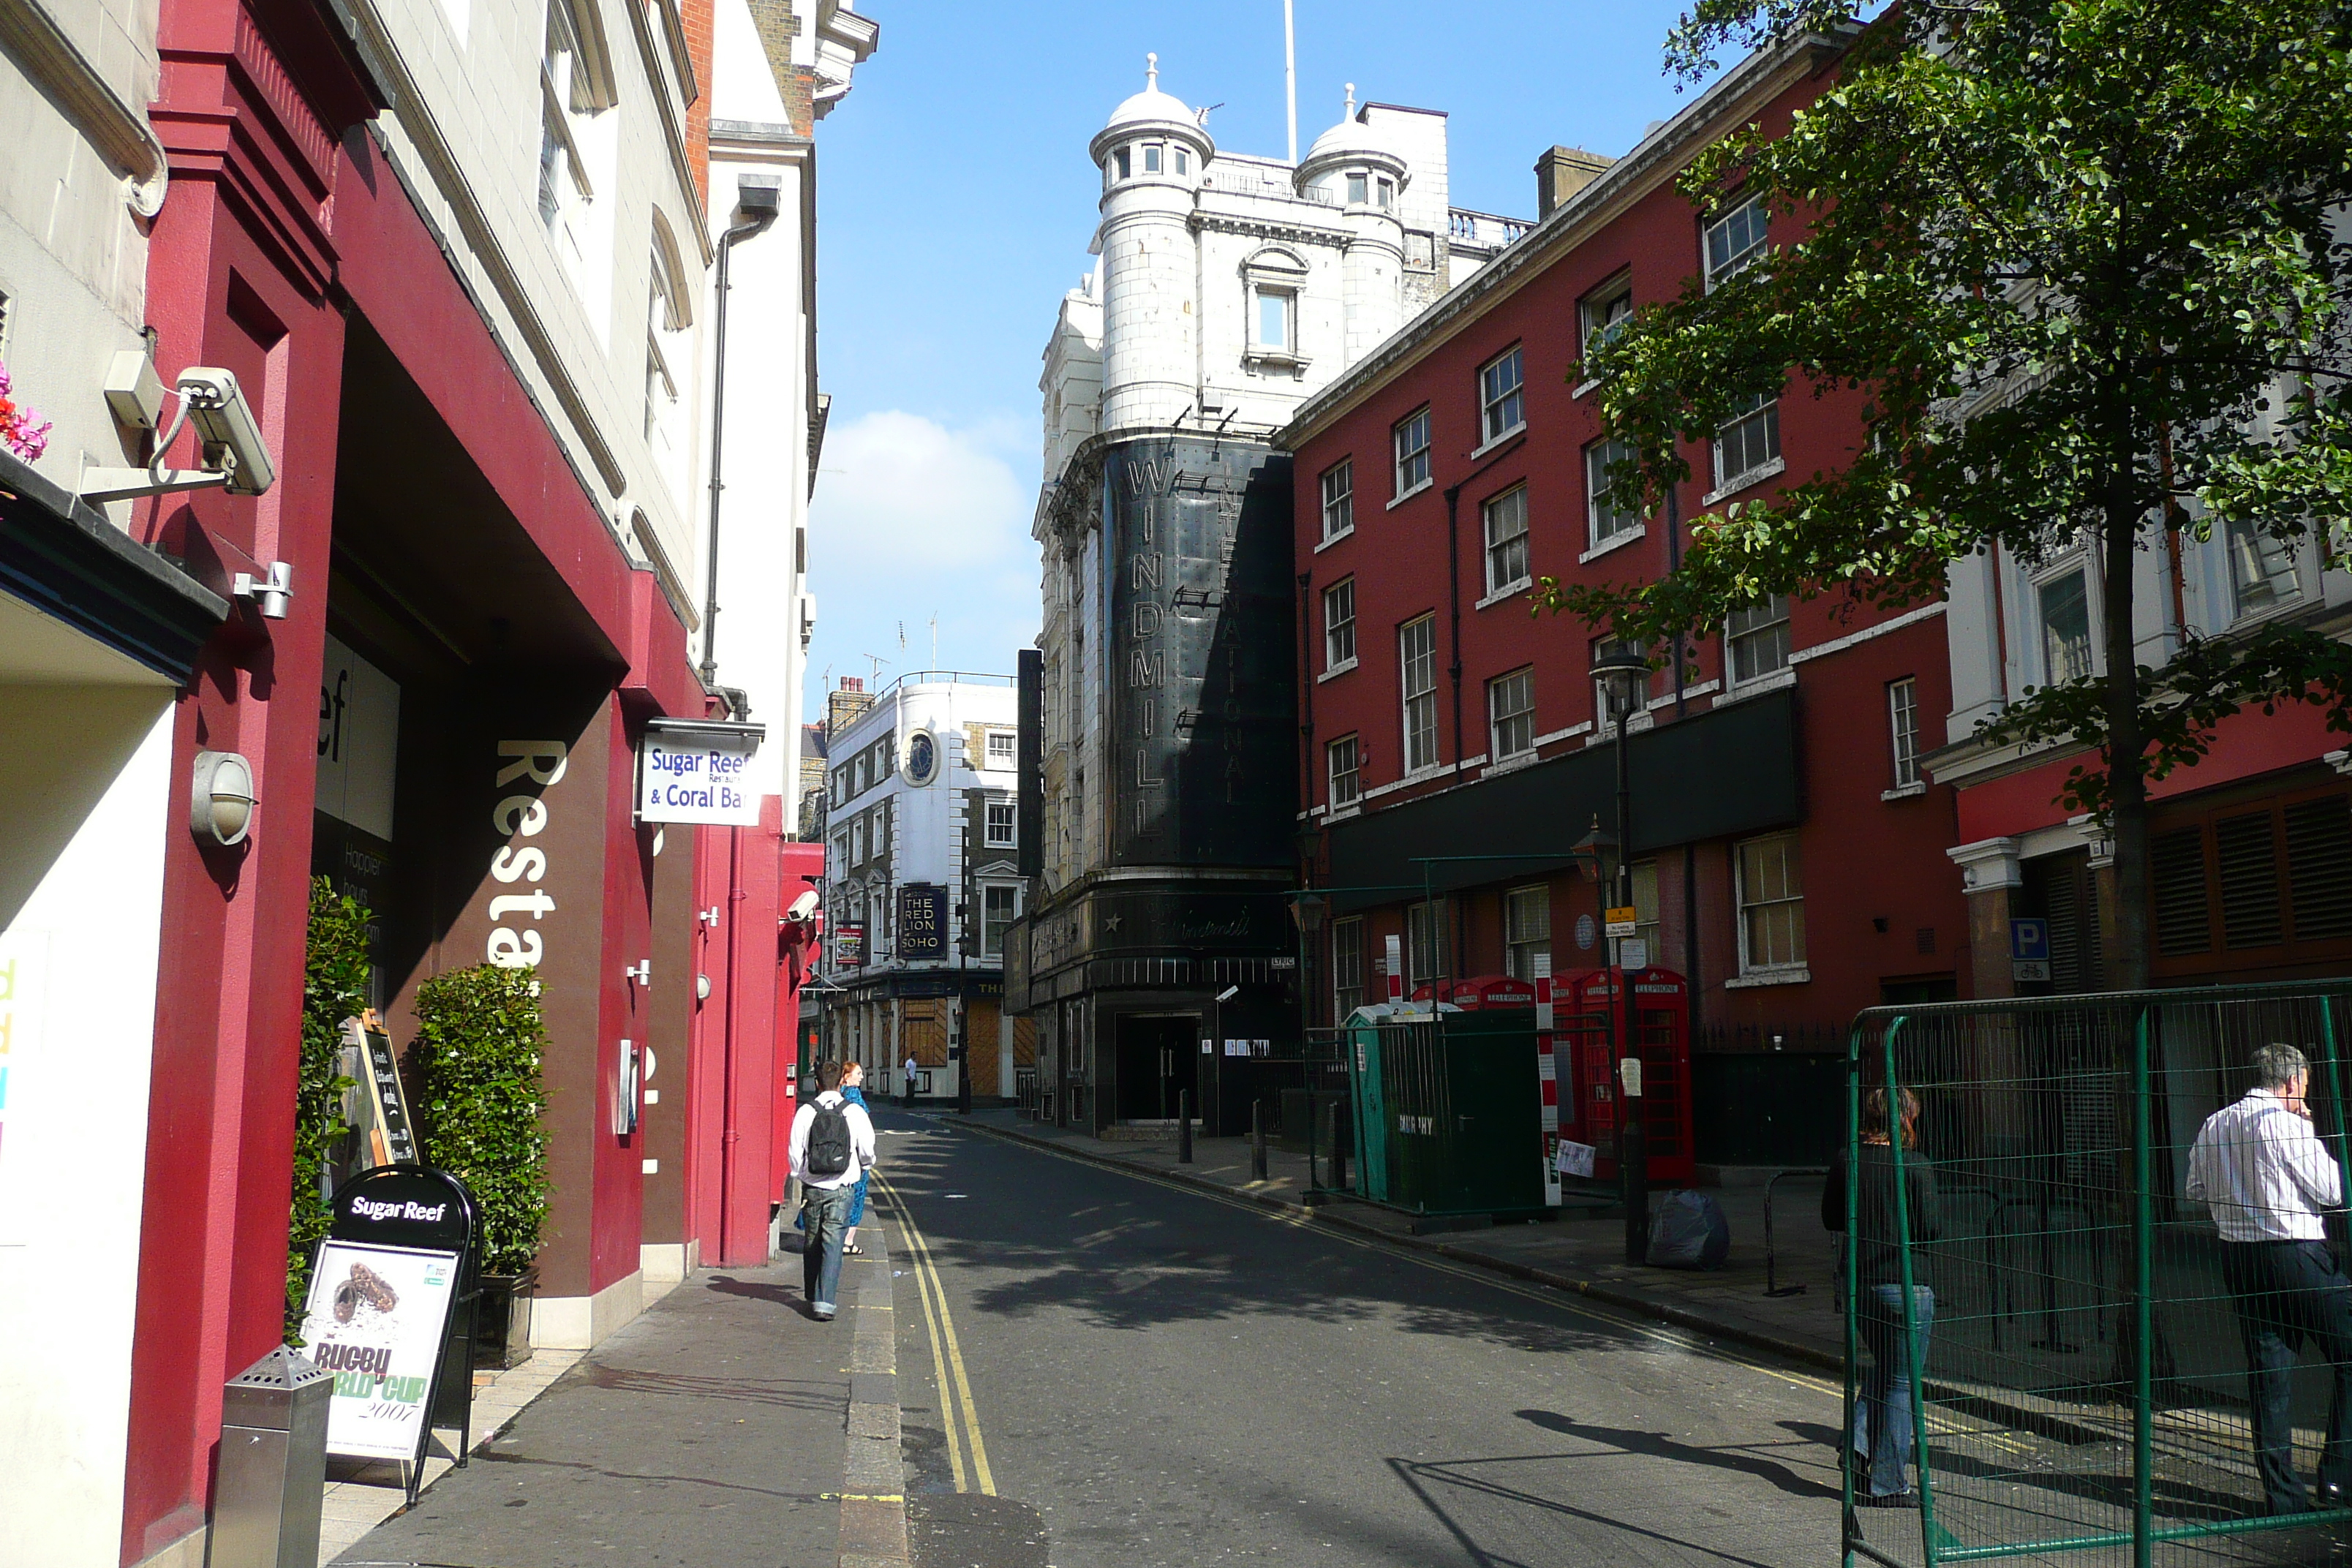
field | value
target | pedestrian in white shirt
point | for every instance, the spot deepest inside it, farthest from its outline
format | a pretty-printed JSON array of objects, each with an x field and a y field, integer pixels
[
  {"x": 2268, "y": 1180},
  {"x": 907, "y": 1084},
  {"x": 832, "y": 1149}
]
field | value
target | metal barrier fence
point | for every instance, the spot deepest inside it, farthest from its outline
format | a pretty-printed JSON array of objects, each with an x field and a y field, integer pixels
[{"x": 2082, "y": 1381}]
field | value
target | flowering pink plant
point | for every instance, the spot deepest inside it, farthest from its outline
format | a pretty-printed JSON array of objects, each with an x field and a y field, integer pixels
[{"x": 22, "y": 431}]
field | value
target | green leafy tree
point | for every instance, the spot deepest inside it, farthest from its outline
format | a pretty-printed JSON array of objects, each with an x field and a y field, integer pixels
[
  {"x": 2081, "y": 265},
  {"x": 477, "y": 1053},
  {"x": 334, "y": 987}
]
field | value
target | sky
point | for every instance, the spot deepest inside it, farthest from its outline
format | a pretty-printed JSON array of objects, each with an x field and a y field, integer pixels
[{"x": 955, "y": 203}]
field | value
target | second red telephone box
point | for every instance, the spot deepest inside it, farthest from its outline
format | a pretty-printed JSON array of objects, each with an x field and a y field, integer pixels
[{"x": 1589, "y": 1015}]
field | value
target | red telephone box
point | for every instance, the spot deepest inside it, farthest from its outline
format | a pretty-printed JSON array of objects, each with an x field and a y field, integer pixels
[
  {"x": 1590, "y": 1012},
  {"x": 1484, "y": 992}
]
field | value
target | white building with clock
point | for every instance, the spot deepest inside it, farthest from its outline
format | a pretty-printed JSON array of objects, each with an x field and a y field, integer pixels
[{"x": 920, "y": 887}]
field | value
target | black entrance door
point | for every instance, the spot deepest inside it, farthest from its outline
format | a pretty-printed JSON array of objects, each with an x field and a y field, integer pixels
[{"x": 1155, "y": 1064}]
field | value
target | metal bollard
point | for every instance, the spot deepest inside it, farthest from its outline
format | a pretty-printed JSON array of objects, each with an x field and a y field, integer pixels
[
  {"x": 273, "y": 1464},
  {"x": 1257, "y": 1140},
  {"x": 1183, "y": 1126}
]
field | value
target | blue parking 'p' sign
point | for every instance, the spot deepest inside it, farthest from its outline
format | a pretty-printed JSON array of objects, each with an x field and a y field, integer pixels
[{"x": 2028, "y": 940}]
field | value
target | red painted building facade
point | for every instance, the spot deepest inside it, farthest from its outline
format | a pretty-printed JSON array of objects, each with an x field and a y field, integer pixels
[
  {"x": 445, "y": 543},
  {"x": 1790, "y": 854}
]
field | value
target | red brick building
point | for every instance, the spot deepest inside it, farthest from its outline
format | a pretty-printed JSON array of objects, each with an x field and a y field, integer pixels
[{"x": 1790, "y": 853}]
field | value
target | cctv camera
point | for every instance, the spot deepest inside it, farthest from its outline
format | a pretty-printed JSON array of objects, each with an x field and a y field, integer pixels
[
  {"x": 225, "y": 425},
  {"x": 803, "y": 908}
]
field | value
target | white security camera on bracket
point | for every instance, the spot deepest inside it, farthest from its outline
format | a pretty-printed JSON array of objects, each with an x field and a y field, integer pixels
[{"x": 235, "y": 457}]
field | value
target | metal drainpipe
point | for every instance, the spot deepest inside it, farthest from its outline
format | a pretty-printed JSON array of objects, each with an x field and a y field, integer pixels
[
  {"x": 1453, "y": 620},
  {"x": 760, "y": 203}
]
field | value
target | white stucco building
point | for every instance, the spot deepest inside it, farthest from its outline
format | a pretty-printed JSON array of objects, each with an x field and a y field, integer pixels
[
  {"x": 1228, "y": 287},
  {"x": 921, "y": 885}
]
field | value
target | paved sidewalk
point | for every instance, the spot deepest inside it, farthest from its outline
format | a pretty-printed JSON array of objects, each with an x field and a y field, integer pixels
[
  {"x": 722, "y": 1427},
  {"x": 1583, "y": 1251}
]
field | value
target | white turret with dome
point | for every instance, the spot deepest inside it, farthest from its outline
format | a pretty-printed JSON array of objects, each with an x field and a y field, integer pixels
[{"x": 1231, "y": 287}]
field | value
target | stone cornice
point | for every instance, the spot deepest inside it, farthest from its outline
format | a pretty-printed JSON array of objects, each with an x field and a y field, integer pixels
[{"x": 120, "y": 133}]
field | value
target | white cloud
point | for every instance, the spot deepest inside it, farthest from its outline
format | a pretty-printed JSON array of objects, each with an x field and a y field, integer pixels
[
  {"x": 912, "y": 519},
  {"x": 903, "y": 491}
]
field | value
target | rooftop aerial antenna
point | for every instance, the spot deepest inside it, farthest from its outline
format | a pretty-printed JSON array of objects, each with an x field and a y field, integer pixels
[{"x": 1290, "y": 76}]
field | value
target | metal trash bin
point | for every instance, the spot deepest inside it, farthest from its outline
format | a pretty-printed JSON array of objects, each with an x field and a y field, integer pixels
[{"x": 273, "y": 1464}]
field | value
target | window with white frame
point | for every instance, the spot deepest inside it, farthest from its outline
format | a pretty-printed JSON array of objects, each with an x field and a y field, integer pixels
[
  {"x": 1004, "y": 748},
  {"x": 1338, "y": 499},
  {"x": 1411, "y": 440},
  {"x": 1526, "y": 929},
  {"x": 1277, "y": 318},
  {"x": 1735, "y": 239},
  {"x": 571, "y": 94},
  {"x": 1358, "y": 186},
  {"x": 1347, "y": 966},
  {"x": 1771, "y": 904},
  {"x": 1903, "y": 729},
  {"x": 1122, "y": 162},
  {"x": 1183, "y": 161},
  {"x": 1340, "y": 624},
  {"x": 1343, "y": 766},
  {"x": 1151, "y": 152},
  {"x": 1385, "y": 191},
  {"x": 1417, "y": 675},
  {"x": 1001, "y": 820},
  {"x": 2065, "y": 605},
  {"x": 1756, "y": 639},
  {"x": 1502, "y": 397},
  {"x": 1747, "y": 442},
  {"x": 2263, "y": 573},
  {"x": 857, "y": 842},
  {"x": 1427, "y": 951},
  {"x": 1511, "y": 713},
  {"x": 999, "y": 908},
  {"x": 1603, "y": 313},
  {"x": 1645, "y": 908},
  {"x": 859, "y": 774},
  {"x": 1609, "y": 519},
  {"x": 1506, "y": 540},
  {"x": 668, "y": 315}
]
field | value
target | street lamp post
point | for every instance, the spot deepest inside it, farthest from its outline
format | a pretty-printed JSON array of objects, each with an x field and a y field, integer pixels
[{"x": 1624, "y": 669}]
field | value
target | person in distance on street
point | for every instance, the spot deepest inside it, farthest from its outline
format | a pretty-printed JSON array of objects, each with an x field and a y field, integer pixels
[
  {"x": 2266, "y": 1178},
  {"x": 1879, "y": 1448},
  {"x": 907, "y": 1083},
  {"x": 832, "y": 1149}
]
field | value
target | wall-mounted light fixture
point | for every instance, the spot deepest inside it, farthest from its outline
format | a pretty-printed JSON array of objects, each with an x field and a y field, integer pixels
[
  {"x": 220, "y": 805},
  {"x": 270, "y": 594}
]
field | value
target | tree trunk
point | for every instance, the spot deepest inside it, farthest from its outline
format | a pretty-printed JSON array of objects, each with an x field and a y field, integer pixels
[{"x": 2126, "y": 742}]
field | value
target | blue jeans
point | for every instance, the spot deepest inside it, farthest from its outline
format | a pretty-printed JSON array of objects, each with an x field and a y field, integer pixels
[
  {"x": 1881, "y": 1415},
  {"x": 826, "y": 1210}
]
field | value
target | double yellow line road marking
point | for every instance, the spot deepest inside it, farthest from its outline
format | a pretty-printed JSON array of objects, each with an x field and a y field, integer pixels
[{"x": 967, "y": 1454}]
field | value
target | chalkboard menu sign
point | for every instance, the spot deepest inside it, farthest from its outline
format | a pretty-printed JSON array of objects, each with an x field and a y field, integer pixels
[{"x": 383, "y": 1130}]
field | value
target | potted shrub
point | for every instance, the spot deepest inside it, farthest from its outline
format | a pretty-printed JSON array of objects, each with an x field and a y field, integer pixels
[
  {"x": 477, "y": 1060},
  {"x": 334, "y": 987}
]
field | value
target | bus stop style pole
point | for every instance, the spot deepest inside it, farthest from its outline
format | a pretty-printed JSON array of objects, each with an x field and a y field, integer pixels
[{"x": 1625, "y": 669}]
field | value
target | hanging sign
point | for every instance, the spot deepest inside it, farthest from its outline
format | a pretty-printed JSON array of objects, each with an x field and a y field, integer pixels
[
  {"x": 922, "y": 920},
  {"x": 698, "y": 773},
  {"x": 2029, "y": 949}
]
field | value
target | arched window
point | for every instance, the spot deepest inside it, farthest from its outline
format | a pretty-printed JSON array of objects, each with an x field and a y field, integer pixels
[{"x": 669, "y": 313}]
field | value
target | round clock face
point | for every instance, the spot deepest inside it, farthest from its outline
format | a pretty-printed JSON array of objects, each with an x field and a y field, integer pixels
[{"x": 922, "y": 757}]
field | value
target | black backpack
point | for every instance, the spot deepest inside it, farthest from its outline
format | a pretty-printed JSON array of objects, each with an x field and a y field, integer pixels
[{"x": 829, "y": 1151}]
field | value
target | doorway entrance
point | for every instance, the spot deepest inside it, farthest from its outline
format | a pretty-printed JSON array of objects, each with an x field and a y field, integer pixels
[{"x": 1156, "y": 1057}]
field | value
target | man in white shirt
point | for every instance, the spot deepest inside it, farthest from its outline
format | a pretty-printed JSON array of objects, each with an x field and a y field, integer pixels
[
  {"x": 2268, "y": 1180},
  {"x": 907, "y": 1084},
  {"x": 832, "y": 1148}
]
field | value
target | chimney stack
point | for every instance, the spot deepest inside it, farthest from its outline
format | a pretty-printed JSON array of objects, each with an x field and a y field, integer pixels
[{"x": 1561, "y": 172}]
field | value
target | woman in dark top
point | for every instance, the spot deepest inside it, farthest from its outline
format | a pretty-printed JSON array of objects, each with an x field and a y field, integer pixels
[{"x": 1880, "y": 1443}]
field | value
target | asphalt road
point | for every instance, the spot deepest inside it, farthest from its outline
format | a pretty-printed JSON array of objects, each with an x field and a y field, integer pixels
[{"x": 1154, "y": 1376}]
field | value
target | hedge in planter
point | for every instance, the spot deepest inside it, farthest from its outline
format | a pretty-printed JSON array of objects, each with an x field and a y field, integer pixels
[
  {"x": 479, "y": 1038},
  {"x": 334, "y": 987}
]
